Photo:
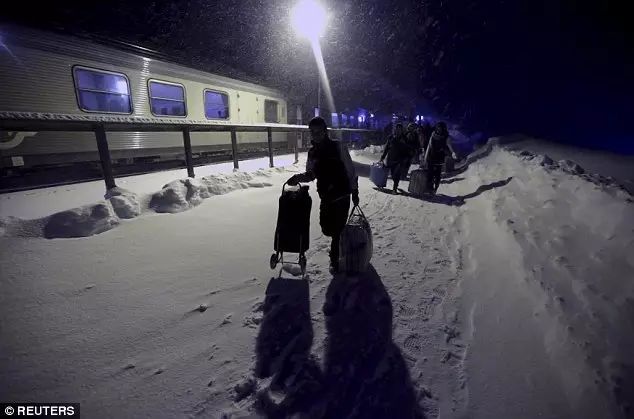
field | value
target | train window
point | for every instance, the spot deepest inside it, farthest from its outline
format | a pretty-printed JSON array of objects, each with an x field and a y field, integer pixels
[
  {"x": 102, "y": 91},
  {"x": 270, "y": 111},
  {"x": 216, "y": 105},
  {"x": 167, "y": 99}
]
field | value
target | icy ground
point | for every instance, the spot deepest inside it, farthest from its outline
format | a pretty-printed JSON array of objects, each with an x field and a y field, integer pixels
[{"x": 509, "y": 295}]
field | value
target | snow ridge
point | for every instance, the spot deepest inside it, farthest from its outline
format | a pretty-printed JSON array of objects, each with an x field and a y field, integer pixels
[{"x": 121, "y": 204}]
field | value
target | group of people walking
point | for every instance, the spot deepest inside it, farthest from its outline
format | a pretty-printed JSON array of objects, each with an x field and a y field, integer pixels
[
  {"x": 329, "y": 163},
  {"x": 429, "y": 145}
]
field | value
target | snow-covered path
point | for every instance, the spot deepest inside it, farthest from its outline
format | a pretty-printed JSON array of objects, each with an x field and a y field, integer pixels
[{"x": 492, "y": 300}]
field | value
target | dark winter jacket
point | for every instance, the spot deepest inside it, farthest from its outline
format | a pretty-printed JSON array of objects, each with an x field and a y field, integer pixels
[
  {"x": 438, "y": 148},
  {"x": 397, "y": 150},
  {"x": 330, "y": 163},
  {"x": 413, "y": 143}
]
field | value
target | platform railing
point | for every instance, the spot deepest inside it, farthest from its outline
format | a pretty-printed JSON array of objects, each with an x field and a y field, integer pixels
[{"x": 101, "y": 125}]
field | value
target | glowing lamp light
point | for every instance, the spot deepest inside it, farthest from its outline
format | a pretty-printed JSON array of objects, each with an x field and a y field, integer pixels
[
  {"x": 360, "y": 118},
  {"x": 371, "y": 115},
  {"x": 309, "y": 19}
]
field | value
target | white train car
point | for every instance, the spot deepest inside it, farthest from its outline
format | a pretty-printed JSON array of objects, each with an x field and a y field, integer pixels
[{"x": 48, "y": 73}]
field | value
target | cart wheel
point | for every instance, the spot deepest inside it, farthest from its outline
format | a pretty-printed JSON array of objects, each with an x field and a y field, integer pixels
[
  {"x": 274, "y": 260},
  {"x": 302, "y": 263}
]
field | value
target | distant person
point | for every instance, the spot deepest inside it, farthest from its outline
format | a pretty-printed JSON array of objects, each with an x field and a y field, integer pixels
[
  {"x": 396, "y": 154},
  {"x": 437, "y": 149},
  {"x": 413, "y": 146},
  {"x": 330, "y": 163}
]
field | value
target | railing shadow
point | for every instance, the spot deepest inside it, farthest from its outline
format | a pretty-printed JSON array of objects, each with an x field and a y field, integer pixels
[{"x": 364, "y": 374}]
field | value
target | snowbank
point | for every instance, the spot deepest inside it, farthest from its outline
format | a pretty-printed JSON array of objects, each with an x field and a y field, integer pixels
[
  {"x": 551, "y": 254},
  {"x": 606, "y": 183},
  {"x": 368, "y": 155},
  {"x": 184, "y": 194},
  {"x": 121, "y": 204},
  {"x": 610, "y": 165},
  {"x": 81, "y": 222},
  {"x": 126, "y": 204},
  {"x": 39, "y": 203}
]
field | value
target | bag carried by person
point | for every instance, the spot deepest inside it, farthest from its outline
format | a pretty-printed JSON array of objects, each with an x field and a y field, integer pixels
[
  {"x": 355, "y": 244},
  {"x": 418, "y": 182},
  {"x": 378, "y": 175}
]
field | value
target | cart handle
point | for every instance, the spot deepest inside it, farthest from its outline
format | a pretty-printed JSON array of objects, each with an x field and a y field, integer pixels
[{"x": 286, "y": 183}]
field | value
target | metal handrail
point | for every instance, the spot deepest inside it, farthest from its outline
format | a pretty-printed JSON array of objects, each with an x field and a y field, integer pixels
[{"x": 101, "y": 124}]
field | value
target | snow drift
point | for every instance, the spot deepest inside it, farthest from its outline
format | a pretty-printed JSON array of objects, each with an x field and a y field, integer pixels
[{"x": 121, "y": 204}]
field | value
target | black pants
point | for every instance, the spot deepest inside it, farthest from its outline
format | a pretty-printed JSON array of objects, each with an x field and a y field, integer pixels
[
  {"x": 396, "y": 170},
  {"x": 333, "y": 216},
  {"x": 433, "y": 179}
]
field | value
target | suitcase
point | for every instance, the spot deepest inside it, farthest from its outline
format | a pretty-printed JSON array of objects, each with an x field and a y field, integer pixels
[
  {"x": 418, "y": 182},
  {"x": 293, "y": 225},
  {"x": 355, "y": 243},
  {"x": 378, "y": 175}
]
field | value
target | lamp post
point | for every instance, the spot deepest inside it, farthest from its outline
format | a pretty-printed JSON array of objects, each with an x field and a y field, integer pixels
[{"x": 309, "y": 21}]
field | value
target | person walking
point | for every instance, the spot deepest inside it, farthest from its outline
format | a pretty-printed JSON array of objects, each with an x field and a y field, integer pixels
[
  {"x": 439, "y": 146},
  {"x": 330, "y": 163}
]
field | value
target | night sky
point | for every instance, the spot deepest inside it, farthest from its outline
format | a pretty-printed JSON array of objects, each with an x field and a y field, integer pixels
[{"x": 559, "y": 70}]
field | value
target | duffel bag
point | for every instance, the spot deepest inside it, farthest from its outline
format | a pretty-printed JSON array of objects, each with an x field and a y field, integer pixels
[{"x": 355, "y": 243}]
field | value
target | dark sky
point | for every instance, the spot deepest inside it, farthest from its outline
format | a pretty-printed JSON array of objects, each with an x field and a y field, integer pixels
[{"x": 558, "y": 69}]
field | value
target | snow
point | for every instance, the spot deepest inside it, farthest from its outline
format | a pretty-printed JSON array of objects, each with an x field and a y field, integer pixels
[
  {"x": 510, "y": 294},
  {"x": 616, "y": 166},
  {"x": 42, "y": 202},
  {"x": 368, "y": 155}
]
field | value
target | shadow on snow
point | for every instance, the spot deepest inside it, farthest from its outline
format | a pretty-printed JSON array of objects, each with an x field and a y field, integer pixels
[{"x": 363, "y": 374}]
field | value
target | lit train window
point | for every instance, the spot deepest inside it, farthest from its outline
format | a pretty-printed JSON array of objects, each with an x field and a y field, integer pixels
[
  {"x": 102, "y": 91},
  {"x": 270, "y": 111},
  {"x": 216, "y": 105},
  {"x": 167, "y": 99}
]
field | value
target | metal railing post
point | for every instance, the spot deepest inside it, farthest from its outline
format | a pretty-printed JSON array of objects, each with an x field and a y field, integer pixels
[
  {"x": 187, "y": 143},
  {"x": 269, "y": 133},
  {"x": 104, "y": 156},
  {"x": 234, "y": 148},
  {"x": 297, "y": 140}
]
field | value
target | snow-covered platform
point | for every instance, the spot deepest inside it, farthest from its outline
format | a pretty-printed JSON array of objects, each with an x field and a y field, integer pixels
[{"x": 509, "y": 294}]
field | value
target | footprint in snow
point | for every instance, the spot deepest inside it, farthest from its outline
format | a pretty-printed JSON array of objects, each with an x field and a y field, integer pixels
[{"x": 227, "y": 319}]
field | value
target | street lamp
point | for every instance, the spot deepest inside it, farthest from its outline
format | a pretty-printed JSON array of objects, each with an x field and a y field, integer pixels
[{"x": 309, "y": 20}]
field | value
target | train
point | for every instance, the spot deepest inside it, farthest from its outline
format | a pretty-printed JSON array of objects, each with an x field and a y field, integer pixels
[{"x": 45, "y": 73}]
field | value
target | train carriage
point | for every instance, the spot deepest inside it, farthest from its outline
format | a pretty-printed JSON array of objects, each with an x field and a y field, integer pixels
[{"x": 48, "y": 73}]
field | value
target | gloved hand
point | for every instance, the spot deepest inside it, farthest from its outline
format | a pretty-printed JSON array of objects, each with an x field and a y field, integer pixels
[
  {"x": 293, "y": 180},
  {"x": 355, "y": 197}
]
